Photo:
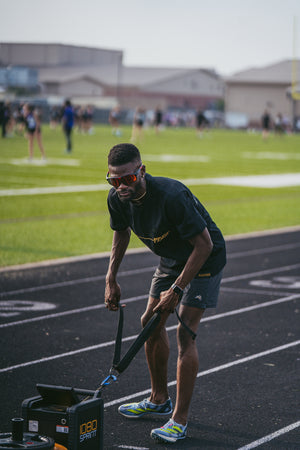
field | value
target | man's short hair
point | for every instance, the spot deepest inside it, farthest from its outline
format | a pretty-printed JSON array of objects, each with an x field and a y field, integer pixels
[{"x": 122, "y": 154}]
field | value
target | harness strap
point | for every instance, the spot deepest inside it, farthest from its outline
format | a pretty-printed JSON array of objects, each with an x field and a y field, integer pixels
[
  {"x": 118, "y": 343},
  {"x": 118, "y": 366},
  {"x": 150, "y": 326},
  {"x": 194, "y": 335}
]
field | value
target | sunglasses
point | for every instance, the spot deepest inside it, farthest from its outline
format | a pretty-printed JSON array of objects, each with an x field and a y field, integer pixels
[{"x": 127, "y": 179}]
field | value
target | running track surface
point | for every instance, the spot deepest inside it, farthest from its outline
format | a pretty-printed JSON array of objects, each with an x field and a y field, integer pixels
[{"x": 55, "y": 330}]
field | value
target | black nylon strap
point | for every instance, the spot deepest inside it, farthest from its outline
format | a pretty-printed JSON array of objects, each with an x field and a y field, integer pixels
[
  {"x": 194, "y": 335},
  {"x": 120, "y": 366},
  {"x": 118, "y": 343}
]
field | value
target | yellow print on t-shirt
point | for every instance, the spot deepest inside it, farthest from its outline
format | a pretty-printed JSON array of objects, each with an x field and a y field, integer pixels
[{"x": 156, "y": 240}]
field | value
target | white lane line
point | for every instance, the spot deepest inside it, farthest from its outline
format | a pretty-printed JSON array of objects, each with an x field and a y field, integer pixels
[
  {"x": 142, "y": 270},
  {"x": 69, "y": 312},
  {"x": 133, "y": 448},
  {"x": 254, "y": 291},
  {"x": 128, "y": 300},
  {"x": 271, "y": 436},
  {"x": 210, "y": 371},
  {"x": 259, "y": 251},
  {"x": 131, "y": 338},
  {"x": 253, "y": 307},
  {"x": 260, "y": 273},
  {"x": 43, "y": 287}
]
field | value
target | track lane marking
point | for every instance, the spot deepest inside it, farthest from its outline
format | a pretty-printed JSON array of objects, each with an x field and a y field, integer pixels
[
  {"x": 131, "y": 338},
  {"x": 265, "y": 250},
  {"x": 101, "y": 306},
  {"x": 254, "y": 291},
  {"x": 210, "y": 371},
  {"x": 136, "y": 272},
  {"x": 77, "y": 281},
  {"x": 271, "y": 436},
  {"x": 260, "y": 273},
  {"x": 69, "y": 312},
  {"x": 124, "y": 273}
]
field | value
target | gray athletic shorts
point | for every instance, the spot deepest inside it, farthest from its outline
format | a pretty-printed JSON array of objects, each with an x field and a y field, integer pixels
[{"x": 201, "y": 292}]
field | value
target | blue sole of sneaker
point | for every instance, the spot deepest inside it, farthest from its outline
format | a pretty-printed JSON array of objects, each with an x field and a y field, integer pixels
[
  {"x": 166, "y": 440},
  {"x": 145, "y": 414}
]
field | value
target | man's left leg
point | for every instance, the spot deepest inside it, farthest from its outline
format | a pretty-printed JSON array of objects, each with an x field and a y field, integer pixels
[
  {"x": 187, "y": 363},
  {"x": 187, "y": 368},
  {"x": 157, "y": 353}
]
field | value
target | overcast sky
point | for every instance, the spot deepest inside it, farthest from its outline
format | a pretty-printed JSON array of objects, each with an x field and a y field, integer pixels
[{"x": 227, "y": 35}]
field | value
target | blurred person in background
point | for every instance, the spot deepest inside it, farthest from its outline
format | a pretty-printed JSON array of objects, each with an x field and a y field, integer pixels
[
  {"x": 114, "y": 120},
  {"x": 89, "y": 113},
  {"x": 158, "y": 118},
  {"x": 33, "y": 130},
  {"x": 201, "y": 123},
  {"x": 2, "y": 119},
  {"x": 20, "y": 121},
  {"x": 38, "y": 132},
  {"x": 54, "y": 117},
  {"x": 279, "y": 125},
  {"x": 68, "y": 123},
  {"x": 266, "y": 124},
  {"x": 138, "y": 125},
  {"x": 5, "y": 118}
]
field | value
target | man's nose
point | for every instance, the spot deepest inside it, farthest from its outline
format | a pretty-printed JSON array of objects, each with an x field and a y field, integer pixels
[{"x": 122, "y": 186}]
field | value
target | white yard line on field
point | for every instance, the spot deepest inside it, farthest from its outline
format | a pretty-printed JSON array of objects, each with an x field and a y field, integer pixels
[
  {"x": 258, "y": 181},
  {"x": 41, "y": 162}
]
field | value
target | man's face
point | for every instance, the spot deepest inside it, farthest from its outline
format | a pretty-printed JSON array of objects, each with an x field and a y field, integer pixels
[{"x": 130, "y": 191}]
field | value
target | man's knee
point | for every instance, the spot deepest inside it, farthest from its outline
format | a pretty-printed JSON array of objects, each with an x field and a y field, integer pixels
[{"x": 185, "y": 339}]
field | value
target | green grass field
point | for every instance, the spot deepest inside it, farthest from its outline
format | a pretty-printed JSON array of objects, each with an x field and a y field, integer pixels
[{"x": 46, "y": 226}]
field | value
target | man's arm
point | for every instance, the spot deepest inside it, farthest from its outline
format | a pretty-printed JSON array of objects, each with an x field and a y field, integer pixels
[
  {"x": 203, "y": 246},
  {"x": 112, "y": 289}
]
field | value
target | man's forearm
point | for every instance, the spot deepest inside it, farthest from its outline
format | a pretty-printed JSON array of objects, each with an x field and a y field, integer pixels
[
  {"x": 202, "y": 249},
  {"x": 119, "y": 246}
]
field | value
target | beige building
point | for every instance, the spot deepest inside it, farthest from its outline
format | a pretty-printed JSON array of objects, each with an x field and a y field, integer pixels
[
  {"x": 253, "y": 91},
  {"x": 98, "y": 76},
  {"x": 134, "y": 86}
]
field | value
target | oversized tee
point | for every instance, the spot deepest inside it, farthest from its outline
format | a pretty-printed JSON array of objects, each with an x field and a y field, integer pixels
[{"x": 167, "y": 218}]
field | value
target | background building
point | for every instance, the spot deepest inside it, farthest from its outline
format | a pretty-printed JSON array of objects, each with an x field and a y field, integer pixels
[
  {"x": 57, "y": 55},
  {"x": 253, "y": 91},
  {"x": 98, "y": 76},
  {"x": 18, "y": 77}
]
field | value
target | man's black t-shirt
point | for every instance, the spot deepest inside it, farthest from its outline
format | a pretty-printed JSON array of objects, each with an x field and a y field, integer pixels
[{"x": 169, "y": 216}]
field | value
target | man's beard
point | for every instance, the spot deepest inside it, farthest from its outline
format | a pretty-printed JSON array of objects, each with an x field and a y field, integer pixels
[{"x": 126, "y": 199}]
